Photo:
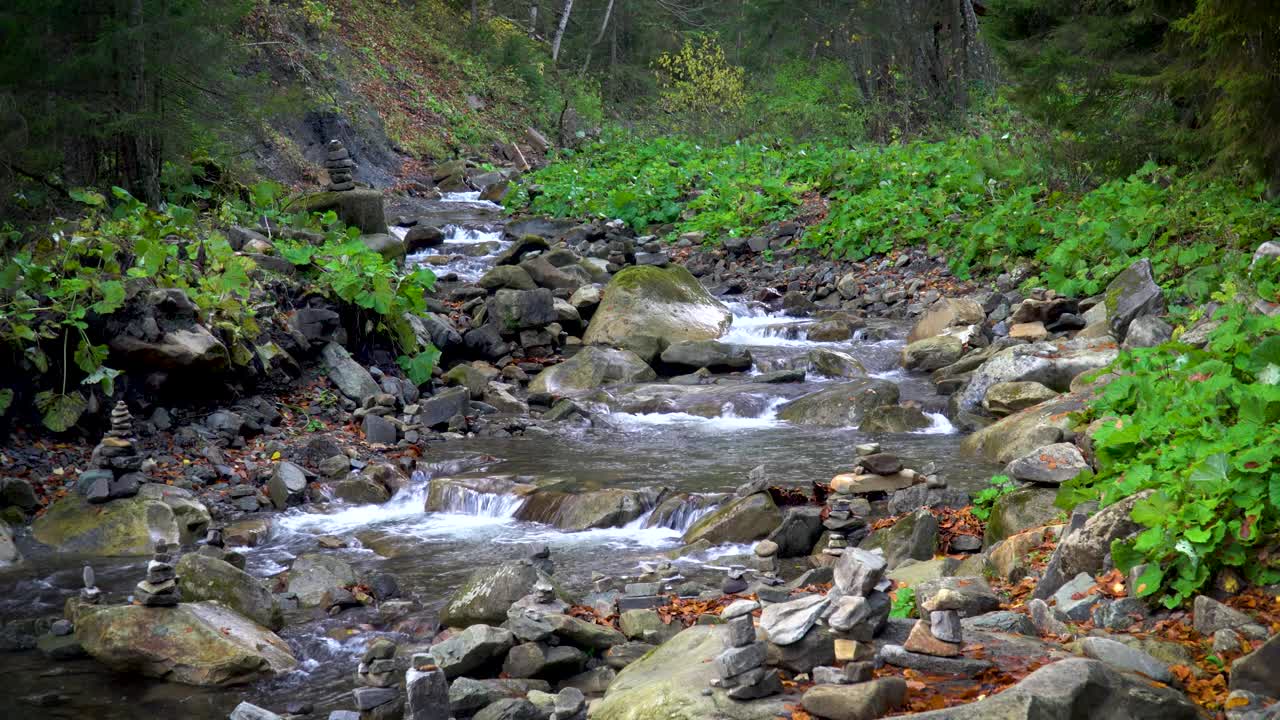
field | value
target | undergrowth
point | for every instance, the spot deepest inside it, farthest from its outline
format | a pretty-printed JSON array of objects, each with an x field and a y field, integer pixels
[{"x": 985, "y": 203}]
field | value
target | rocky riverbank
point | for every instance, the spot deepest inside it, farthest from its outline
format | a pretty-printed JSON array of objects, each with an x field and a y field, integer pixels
[{"x": 858, "y": 586}]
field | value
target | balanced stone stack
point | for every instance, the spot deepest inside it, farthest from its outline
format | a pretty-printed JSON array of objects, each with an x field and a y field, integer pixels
[
  {"x": 115, "y": 463},
  {"x": 160, "y": 589},
  {"x": 90, "y": 592},
  {"x": 377, "y": 666},
  {"x": 741, "y": 667},
  {"x": 940, "y": 635},
  {"x": 340, "y": 166},
  {"x": 735, "y": 580},
  {"x": 428, "y": 690},
  {"x": 840, "y": 521}
]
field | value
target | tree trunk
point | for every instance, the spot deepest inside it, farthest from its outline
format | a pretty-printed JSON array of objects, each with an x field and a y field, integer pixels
[
  {"x": 533, "y": 19},
  {"x": 560, "y": 28},
  {"x": 475, "y": 13},
  {"x": 604, "y": 25},
  {"x": 138, "y": 163}
]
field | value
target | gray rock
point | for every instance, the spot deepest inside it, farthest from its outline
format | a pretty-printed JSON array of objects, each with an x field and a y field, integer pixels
[
  {"x": 799, "y": 531},
  {"x": 945, "y": 625},
  {"x": 898, "y": 656},
  {"x": 1125, "y": 658},
  {"x": 737, "y": 660},
  {"x": 863, "y": 701},
  {"x": 472, "y": 649},
  {"x": 858, "y": 571},
  {"x": 1075, "y": 688},
  {"x": 1119, "y": 614},
  {"x": 1211, "y": 616},
  {"x": 350, "y": 376},
  {"x": 1132, "y": 294},
  {"x": 436, "y": 411},
  {"x": 1001, "y": 621},
  {"x": 915, "y": 497},
  {"x": 249, "y": 711},
  {"x": 1148, "y": 331},
  {"x": 510, "y": 709},
  {"x": 311, "y": 576},
  {"x": 379, "y": 430},
  {"x": 1042, "y": 616},
  {"x": 1073, "y": 602},
  {"x": 1050, "y": 465},
  {"x": 711, "y": 354},
  {"x": 287, "y": 486},
  {"x": 785, "y": 623},
  {"x": 914, "y": 537},
  {"x": 969, "y": 596},
  {"x": 515, "y": 310},
  {"x": 860, "y": 618},
  {"x": 368, "y": 698},
  {"x": 1087, "y": 549},
  {"x": 1256, "y": 672}
]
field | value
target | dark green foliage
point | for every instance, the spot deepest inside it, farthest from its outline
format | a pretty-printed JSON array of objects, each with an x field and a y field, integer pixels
[
  {"x": 985, "y": 203},
  {"x": 1130, "y": 80},
  {"x": 1201, "y": 428},
  {"x": 98, "y": 92}
]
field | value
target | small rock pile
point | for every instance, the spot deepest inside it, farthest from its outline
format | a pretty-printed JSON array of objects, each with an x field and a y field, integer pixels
[
  {"x": 160, "y": 588},
  {"x": 90, "y": 592},
  {"x": 378, "y": 697},
  {"x": 377, "y": 665},
  {"x": 115, "y": 463},
  {"x": 741, "y": 667},
  {"x": 735, "y": 580},
  {"x": 940, "y": 635},
  {"x": 428, "y": 690},
  {"x": 340, "y": 166}
]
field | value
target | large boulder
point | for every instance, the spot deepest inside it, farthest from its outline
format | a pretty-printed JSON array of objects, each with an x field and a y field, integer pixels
[
  {"x": 574, "y": 511},
  {"x": 1086, "y": 549},
  {"x": 1050, "y": 465},
  {"x": 352, "y": 379},
  {"x": 912, "y": 537},
  {"x": 1075, "y": 688},
  {"x": 313, "y": 575},
  {"x": 945, "y": 313},
  {"x": 841, "y": 405},
  {"x": 1021, "y": 510},
  {"x": 593, "y": 367},
  {"x": 474, "y": 649},
  {"x": 360, "y": 208},
  {"x": 669, "y": 682},
  {"x": 1256, "y": 672},
  {"x": 208, "y": 578},
  {"x": 1053, "y": 365},
  {"x": 489, "y": 592},
  {"x": 710, "y": 354},
  {"x": 741, "y": 520},
  {"x": 932, "y": 353},
  {"x": 664, "y": 303},
  {"x": 202, "y": 643},
  {"x": 191, "y": 348},
  {"x": 131, "y": 526},
  {"x": 833, "y": 363},
  {"x": 1010, "y": 397},
  {"x": 1131, "y": 295},
  {"x": 1012, "y": 437},
  {"x": 515, "y": 310}
]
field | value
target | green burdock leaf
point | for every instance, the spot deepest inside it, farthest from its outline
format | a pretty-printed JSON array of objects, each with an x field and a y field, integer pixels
[{"x": 60, "y": 411}]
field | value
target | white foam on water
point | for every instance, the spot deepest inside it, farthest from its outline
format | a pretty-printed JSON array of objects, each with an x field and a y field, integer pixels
[
  {"x": 938, "y": 425},
  {"x": 708, "y": 556},
  {"x": 470, "y": 198},
  {"x": 727, "y": 421},
  {"x": 894, "y": 374},
  {"x": 466, "y": 267}
]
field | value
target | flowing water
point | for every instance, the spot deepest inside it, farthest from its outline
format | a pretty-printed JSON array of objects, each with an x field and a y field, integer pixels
[{"x": 700, "y": 440}]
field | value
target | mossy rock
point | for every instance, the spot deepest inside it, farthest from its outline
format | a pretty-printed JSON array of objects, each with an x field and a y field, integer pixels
[
  {"x": 741, "y": 520},
  {"x": 489, "y": 592},
  {"x": 668, "y": 683},
  {"x": 126, "y": 527},
  {"x": 202, "y": 643},
  {"x": 1030, "y": 507},
  {"x": 1025, "y": 431},
  {"x": 665, "y": 303},
  {"x": 842, "y": 405},
  {"x": 359, "y": 208},
  {"x": 575, "y": 511},
  {"x": 591, "y": 368},
  {"x": 208, "y": 578}
]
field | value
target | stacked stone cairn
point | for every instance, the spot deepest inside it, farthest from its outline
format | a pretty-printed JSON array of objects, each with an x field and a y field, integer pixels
[
  {"x": 940, "y": 635},
  {"x": 858, "y": 612},
  {"x": 115, "y": 463},
  {"x": 340, "y": 166},
  {"x": 90, "y": 592},
  {"x": 735, "y": 580},
  {"x": 427, "y": 688},
  {"x": 160, "y": 588},
  {"x": 378, "y": 696},
  {"x": 741, "y": 668}
]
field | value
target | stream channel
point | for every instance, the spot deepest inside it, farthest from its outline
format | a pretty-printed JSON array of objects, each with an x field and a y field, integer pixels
[{"x": 431, "y": 553}]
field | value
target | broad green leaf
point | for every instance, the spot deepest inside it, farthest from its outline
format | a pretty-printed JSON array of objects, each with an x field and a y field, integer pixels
[
  {"x": 112, "y": 297},
  {"x": 59, "y": 411},
  {"x": 1149, "y": 581},
  {"x": 6, "y": 400}
]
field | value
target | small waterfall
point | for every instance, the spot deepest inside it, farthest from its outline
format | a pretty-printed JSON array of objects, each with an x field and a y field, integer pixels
[
  {"x": 458, "y": 500},
  {"x": 680, "y": 512}
]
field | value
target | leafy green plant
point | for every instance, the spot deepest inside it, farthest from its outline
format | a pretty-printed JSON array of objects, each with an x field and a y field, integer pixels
[
  {"x": 997, "y": 487},
  {"x": 904, "y": 603},
  {"x": 1199, "y": 428}
]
